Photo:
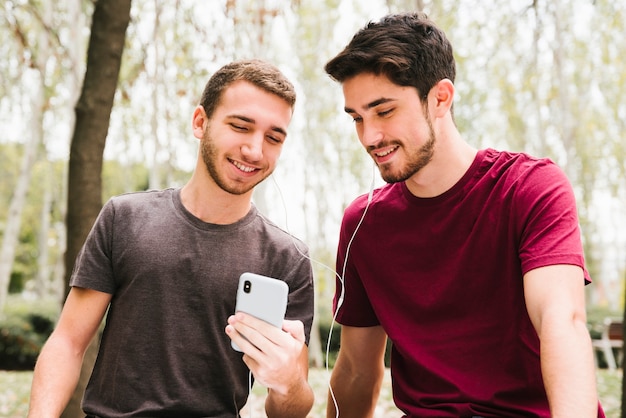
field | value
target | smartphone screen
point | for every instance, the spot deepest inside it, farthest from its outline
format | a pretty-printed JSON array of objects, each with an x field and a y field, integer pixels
[{"x": 262, "y": 297}]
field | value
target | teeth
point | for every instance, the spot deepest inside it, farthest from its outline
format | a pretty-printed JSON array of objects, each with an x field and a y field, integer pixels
[
  {"x": 243, "y": 167},
  {"x": 382, "y": 154}
]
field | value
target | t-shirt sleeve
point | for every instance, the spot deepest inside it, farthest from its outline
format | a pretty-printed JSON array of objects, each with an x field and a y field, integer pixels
[
  {"x": 93, "y": 267},
  {"x": 351, "y": 303},
  {"x": 548, "y": 219},
  {"x": 302, "y": 294}
]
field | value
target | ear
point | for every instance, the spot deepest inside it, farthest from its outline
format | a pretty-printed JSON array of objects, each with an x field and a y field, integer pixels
[
  {"x": 198, "y": 122},
  {"x": 443, "y": 97}
]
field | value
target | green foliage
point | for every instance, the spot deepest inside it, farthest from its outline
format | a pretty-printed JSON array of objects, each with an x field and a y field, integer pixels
[
  {"x": 15, "y": 393},
  {"x": 9, "y": 164},
  {"x": 325, "y": 332},
  {"x": 25, "y": 263},
  {"x": 45, "y": 175},
  {"x": 20, "y": 343},
  {"x": 23, "y": 330},
  {"x": 118, "y": 178}
]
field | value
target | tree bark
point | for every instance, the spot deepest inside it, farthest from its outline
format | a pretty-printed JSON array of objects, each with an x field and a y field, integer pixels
[{"x": 106, "y": 45}]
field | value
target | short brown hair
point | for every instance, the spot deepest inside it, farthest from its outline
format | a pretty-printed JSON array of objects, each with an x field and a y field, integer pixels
[{"x": 258, "y": 72}]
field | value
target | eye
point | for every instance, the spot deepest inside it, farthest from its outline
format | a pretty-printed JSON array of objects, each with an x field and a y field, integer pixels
[
  {"x": 384, "y": 113},
  {"x": 275, "y": 139},
  {"x": 238, "y": 128},
  {"x": 357, "y": 119},
  {"x": 276, "y": 136}
]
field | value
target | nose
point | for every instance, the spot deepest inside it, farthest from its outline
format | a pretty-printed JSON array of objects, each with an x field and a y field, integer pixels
[
  {"x": 252, "y": 149},
  {"x": 370, "y": 134}
]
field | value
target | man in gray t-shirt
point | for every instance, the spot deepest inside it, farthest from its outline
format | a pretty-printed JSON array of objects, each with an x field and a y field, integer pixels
[{"x": 165, "y": 265}]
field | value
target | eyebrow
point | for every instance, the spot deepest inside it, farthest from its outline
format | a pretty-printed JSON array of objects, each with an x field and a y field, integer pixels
[
  {"x": 242, "y": 118},
  {"x": 370, "y": 105}
]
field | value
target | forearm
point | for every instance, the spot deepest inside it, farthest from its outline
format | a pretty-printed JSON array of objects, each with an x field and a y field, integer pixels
[
  {"x": 354, "y": 394},
  {"x": 56, "y": 375},
  {"x": 568, "y": 369},
  {"x": 294, "y": 404}
]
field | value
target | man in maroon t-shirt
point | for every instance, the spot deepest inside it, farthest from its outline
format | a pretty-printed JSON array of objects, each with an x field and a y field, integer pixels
[{"x": 470, "y": 261}]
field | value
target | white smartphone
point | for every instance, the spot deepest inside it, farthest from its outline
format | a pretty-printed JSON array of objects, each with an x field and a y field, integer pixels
[{"x": 263, "y": 297}]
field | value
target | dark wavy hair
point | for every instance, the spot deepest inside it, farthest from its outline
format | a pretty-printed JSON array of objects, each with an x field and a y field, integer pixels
[{"x": 408, "y": 48}]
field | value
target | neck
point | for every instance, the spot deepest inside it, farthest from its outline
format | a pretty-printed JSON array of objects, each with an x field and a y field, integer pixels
[
  {"x": 451, "y": 160},
  {"x": 209, "y": 203}
]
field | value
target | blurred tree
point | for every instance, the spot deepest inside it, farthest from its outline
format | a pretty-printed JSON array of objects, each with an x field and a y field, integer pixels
[
  {"x": 38, "y": 51},
  {"x": 106, "y": 44},
  {"x": 320, "y": 152},
  {"x": 37, "y": 40}
]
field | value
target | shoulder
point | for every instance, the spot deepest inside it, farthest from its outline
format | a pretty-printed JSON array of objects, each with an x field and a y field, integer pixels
[
  {"x": 278, "y": 236},
  {"x": 519, "y": 163},
  {"x": 127, "y": 208},
  {"x": 150, "y": 200},
  {"x": 522, "y": 172},
  {"x": 538, "y": 190},
  {"x": 141, "y": 198},
  {"x": 385, "y": 198}
]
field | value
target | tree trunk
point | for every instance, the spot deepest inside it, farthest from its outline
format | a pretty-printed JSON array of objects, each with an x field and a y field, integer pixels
[
  {"x": 43, "y": 279},
  {"x": 106, "y": 44}
]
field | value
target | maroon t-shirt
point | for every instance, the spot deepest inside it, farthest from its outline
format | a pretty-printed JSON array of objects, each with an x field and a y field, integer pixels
[{"x": 443, "y": 276}]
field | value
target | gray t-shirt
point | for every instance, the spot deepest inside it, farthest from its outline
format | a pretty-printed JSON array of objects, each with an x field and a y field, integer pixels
[{"x": 173, "y": 277}]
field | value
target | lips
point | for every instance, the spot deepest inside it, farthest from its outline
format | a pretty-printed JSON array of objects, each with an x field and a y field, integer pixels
[
  {"x": 243, "y": 167},
  {"x": 386, "y": 152},
  {"x": 382, "y": 155}
]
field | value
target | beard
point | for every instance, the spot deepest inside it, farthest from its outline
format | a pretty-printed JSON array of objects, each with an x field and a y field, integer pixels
[
  {"x": 210, "y": 157},
  {"x": 416, "y": 161}
]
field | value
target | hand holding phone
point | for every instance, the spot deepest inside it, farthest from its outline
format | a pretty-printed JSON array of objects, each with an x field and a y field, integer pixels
[{"x": 262, "y": 297}]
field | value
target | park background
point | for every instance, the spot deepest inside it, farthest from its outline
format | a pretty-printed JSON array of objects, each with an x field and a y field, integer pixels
[{"x": 545, "y": 77}]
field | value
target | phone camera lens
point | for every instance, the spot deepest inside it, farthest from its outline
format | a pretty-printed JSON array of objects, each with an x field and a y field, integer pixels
[{"x": 246, "y": 286}]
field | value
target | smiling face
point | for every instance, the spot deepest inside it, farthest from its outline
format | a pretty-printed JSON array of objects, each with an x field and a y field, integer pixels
[
  {"x": 392, "y": 124},
  {"x": 241, "y": 142}
]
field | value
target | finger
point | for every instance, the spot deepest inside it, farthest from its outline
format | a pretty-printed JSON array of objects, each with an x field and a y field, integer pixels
[
  {"x": 255, "y": 335},
  {"x": 295, "y": 329},
  {"x": 249, "y": 320},
  {"x": 238, "y": 338},
  {"x": 257, "y": 331}
]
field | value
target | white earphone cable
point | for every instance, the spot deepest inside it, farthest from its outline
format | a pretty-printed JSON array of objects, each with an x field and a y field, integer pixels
[{"x": 339, "y": 277}]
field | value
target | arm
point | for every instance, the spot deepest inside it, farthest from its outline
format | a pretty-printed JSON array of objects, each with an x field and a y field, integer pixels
[
  {"x": 59, "y": 363},
  {"x": 278, "y": 360},
  {"x": 555, "y": 300},
  {"x": 358, "y": 373}
]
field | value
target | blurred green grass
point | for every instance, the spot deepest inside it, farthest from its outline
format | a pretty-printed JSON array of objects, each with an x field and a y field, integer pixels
[
  {"x": 14, "y": 392},
  {"x": 15, "y": 389}
]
